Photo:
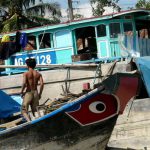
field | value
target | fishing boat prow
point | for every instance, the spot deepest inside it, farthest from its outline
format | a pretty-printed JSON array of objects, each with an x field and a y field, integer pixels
[{"x": 68, "y": 122}]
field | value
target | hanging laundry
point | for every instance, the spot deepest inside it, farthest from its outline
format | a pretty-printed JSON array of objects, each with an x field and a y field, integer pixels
[
  {"x": 7, "y": 49},
  {"x": 18, "y": 45},
  {"x": 23, "y": 40},
  {"x": 5, "y": 38}
]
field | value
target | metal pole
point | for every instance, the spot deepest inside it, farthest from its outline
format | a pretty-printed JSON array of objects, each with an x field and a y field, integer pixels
[
  {"x": 53, "y": 66},
  {"x": 70, "y": 9}
]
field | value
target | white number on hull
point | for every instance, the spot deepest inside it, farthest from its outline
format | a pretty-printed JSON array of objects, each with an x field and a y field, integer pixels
[{"x": 43, "y": 59}]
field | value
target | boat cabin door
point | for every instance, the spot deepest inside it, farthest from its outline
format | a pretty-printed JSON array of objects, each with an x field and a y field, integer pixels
[
  {"x": 86, "y": 42},
  {"x": 102, "y": 41}
]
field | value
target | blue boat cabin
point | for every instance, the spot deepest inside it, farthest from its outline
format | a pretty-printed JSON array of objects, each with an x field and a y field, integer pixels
[{"x": 102, "y": 38}]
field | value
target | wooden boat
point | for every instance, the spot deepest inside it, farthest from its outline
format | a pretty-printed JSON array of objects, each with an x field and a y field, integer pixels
[
  {"x": 82, "y": 41},
  {"x": 88, "y": 40},
  {"x": 82, "y": 121}
]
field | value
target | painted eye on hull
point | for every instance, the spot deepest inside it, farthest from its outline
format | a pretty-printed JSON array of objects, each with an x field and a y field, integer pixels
[{"x": 97, "y": 107}]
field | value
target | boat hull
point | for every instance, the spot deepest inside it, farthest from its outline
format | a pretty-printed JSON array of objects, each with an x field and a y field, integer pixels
[{"x": 60, "y": 132}]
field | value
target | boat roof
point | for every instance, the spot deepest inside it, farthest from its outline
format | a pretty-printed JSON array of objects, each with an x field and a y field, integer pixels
[{"x": 86, "y": 20}]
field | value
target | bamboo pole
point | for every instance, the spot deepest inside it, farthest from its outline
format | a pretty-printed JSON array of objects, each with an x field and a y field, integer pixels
[{"x": 52, "y": 66}]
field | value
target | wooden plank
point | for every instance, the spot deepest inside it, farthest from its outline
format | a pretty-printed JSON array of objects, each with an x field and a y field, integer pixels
[{"x": 11, "y": 124}]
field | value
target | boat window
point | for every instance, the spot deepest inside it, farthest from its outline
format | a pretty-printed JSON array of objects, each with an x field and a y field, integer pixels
[
  {"x": 127, "y": 27},
  {"x": 63, "y": 38},
  {"x": 85, "y": 43},
  {"x": 101, "y": 30},
  {"x": 44, "y": 40},
  {"x": 114, "y": 30},
  {"x": 31, "y": 45}
]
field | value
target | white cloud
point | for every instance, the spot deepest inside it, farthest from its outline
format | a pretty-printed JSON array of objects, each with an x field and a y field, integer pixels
[
  {"x": 109, "y": 10},
  {"x": 82, "y": 9},
  {"x": 85, "y": 10}
]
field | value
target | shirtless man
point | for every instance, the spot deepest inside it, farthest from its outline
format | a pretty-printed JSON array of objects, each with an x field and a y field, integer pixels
[{"x": 30, "y": 83}]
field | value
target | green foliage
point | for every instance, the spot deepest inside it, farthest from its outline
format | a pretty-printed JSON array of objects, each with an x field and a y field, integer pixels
[
  {"x": 78, "y": 16},
  {"x": 98, "y": 6},
  {"x": 20, "y": 14},
  {"x": 10, "y": 24},
  {"x": 143, "y": 4}
]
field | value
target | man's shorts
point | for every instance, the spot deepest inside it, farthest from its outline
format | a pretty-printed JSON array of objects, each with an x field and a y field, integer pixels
[{"x": 31, "y": 98}]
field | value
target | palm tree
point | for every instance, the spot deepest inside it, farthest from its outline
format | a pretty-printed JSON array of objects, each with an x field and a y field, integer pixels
[
  {"x": 20, "y": 14},
  {"x": 143, "y": 4}
]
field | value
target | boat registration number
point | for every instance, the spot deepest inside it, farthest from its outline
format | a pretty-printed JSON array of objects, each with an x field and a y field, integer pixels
[{"x": 43, "y": 59}]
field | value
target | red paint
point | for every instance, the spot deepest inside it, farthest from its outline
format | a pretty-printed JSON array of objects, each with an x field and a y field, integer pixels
[
  {"x": 86, "y": 86},
  {"x": 127, "y": 89},
  {"x": 85, "y": 116}
]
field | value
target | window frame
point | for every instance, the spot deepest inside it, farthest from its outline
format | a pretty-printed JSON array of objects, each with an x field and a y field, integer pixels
[
  {"x": 105, "y": 31},
  {"x": 125, "y": 23},
  {"x": 115, "y": 33},
  {"x": 50, "y": 40}
]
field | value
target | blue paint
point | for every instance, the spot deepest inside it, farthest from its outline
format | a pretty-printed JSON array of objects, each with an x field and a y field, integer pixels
[
  {"x": 74, "y": 108},
  {"x": 134, "y": 43},
  {"x": 64, "y": 56},
  {"x": 143, "y": 64},
  {"x": 102, "y": 49},
  {"x": 17, "y": 98},
  {"x": 63, "y": 39},
  {"x": 8, "y": 105},
  {"x": 46, "y": 57},
  {"x": 125, "y": 41}
]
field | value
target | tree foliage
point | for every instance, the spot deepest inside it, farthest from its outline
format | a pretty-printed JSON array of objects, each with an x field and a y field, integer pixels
[
  {"x": 78, "y": 16},
  {"x": 20, "y": 14},
  {"x": 98, "y": 6},
  {"x": 143, "y": 4}
]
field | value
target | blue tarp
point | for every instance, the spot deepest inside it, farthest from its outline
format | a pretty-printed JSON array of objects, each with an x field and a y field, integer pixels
[
  {"x": 143, "y": 64},
  {"x": 8, "y": 105}
]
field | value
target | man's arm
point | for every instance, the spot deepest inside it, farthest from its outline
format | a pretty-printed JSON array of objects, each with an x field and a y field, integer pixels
[
  {"x": 23, "y": 84},
  {"x": 41, "y": 86}
]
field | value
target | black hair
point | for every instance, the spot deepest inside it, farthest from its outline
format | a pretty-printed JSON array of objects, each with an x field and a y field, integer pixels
[{"x": 31, "y": 62}]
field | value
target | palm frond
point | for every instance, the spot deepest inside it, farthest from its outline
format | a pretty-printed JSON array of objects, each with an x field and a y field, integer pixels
[
  {"x": 20, "y": 14},
  {"x": 10, "y": 24},
  {"x": 53, "y": 8},
  {"x": 28, "y": 3},
  {"x": 4, "y": 3},
  {"x": 43, "y": 21},
  {"x": 27, "y": 22}
]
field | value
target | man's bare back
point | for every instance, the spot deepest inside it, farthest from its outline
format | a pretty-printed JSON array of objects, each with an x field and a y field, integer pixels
[
  {"x": 32, "y": 78},
  {"x": 30, "y": 81}
]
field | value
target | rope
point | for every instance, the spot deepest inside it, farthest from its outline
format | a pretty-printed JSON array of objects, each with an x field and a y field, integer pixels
[
  {"x": 67, "y": 86},
  {"x": 66, "y": 81},
  {"x": 97, "y": 73},
  {"x": 40, "y": 42}
]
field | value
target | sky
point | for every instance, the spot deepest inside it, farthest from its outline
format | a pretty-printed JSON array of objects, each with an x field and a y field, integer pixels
[{"x": 84, "y": 8}]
